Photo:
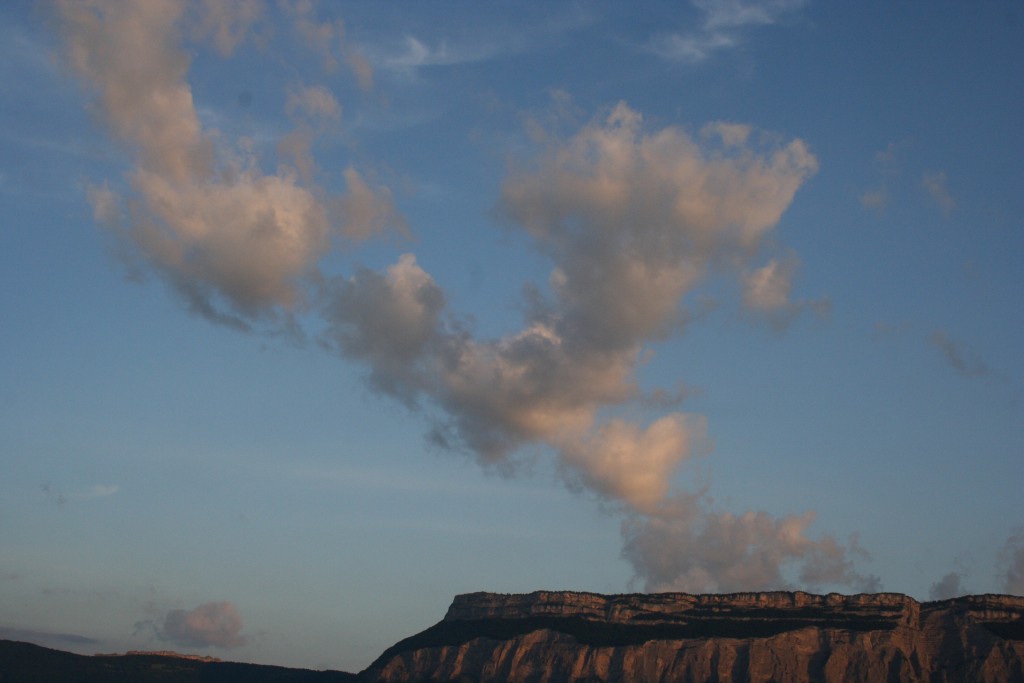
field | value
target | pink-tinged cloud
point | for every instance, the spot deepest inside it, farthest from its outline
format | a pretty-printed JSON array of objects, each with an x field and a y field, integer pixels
[
  {"x": 212, "y": 624},
  {"x": 237, "y": 243},
  {"x": 633, "y": 218}
]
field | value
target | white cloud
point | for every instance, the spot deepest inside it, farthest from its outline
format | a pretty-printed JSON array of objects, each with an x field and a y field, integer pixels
[{"x": 724, "y": 25}]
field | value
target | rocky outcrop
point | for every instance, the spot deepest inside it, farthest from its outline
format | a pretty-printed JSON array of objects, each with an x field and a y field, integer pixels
[{"x": 549, "y": 637}]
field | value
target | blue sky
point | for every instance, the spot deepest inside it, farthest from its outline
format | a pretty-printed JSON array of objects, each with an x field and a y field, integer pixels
[{"x": 316, "y": 315}]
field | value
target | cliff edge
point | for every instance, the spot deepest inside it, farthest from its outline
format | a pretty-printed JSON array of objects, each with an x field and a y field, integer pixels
[{"x": 784, "y": 637}]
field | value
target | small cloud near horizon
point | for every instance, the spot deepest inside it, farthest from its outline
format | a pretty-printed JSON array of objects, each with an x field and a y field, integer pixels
[
  {"x": 45, "y": 638},
  {"x": 949, "y": 586},
  {"x": 212, "y": 624}
]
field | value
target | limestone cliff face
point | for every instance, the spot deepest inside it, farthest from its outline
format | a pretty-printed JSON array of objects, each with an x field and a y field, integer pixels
[{"x": 549, "y": 637}]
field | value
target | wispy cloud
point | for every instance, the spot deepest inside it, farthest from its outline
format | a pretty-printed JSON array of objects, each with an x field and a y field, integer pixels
[
  {"x": 414, "y": 52},
  {"x": 936, "y": 184},
  {"x": 93, "y": 492},
  {"x": 725, "y": 24},
  {"x": 960, "y": 358},
  {"x": 1012, "y": 562},
  {"x": 888, "y": 162},
  {"x": 46, "y": 638},
  {"x": 766, "y": 293}
]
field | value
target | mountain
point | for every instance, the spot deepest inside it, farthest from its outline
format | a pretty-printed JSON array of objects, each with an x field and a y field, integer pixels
[
  {"x": 569, "y": 637},
  {"x": 27, "y": 663},
  {"x": 779, "y": 637}
]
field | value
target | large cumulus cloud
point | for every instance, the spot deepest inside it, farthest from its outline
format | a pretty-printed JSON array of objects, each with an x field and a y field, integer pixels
[{"x": 633, "y": 220}]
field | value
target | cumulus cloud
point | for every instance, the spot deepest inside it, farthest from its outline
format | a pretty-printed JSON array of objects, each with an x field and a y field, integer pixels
[
  {"x": 684, "y": 546},
  {"x": 238, "y": 244},
  {"x": 949, "y": 586},
  {"x": 632, "y": 222},
  {"x": 724, "y": 25},
  {"x": 212, "y": 624},
  {"x": 632, "y": 219}
]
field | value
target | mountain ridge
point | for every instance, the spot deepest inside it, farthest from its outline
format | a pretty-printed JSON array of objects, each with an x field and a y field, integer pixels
[
  {"x": 577, "y": 637},
  {"x": 780, "y": 636}
]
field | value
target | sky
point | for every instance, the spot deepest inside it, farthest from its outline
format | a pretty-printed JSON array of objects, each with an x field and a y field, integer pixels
[{"x": 315, "y": 315}]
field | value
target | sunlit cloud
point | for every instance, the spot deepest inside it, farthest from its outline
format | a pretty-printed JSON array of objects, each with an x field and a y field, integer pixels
[
  {"x": 239, "y": 245},
  {"x": 632, "y": 218}
]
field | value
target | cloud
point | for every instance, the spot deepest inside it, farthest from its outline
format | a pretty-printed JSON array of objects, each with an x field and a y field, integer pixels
[
  {"x": 949, "y": 586},
  {"x": 239, "y": 245},
  {"x": 724, "y": 25},
  {"x": 46, "y": 638},
  {"x": 632, "y": 220},
  {"x": 1012, "y": 561},
  {"x": 888, "y": 162},
  {"x": 228, "y": 23},
  {"x": 326, "y": 38},
  {"x": 961, "y": 359},
  {"x": 313, "y": 102},
  {"x": 685, "y": 547},
  {"x": 212, "y": 624},
  {"x": 766, "y": 292},
  {"x": 875, "y": 199},
  {"x": 935, "y": 185},
  {"x": 93, "y": 492}
]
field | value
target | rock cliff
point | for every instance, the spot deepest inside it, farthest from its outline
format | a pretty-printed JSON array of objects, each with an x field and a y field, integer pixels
[{"x": 549, "y": 637}]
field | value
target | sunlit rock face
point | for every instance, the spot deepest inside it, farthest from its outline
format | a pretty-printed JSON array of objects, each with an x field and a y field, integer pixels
[{"x": 551, "y": 637}]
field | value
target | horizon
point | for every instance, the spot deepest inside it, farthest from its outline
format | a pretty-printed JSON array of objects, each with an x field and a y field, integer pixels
[{"x": 318, "y": 315}]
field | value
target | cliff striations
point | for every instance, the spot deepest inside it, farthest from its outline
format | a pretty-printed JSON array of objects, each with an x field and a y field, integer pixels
[{"x": 548, "y": 637}]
